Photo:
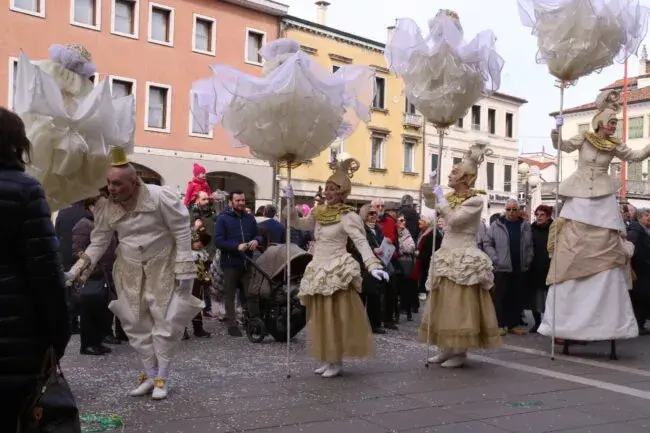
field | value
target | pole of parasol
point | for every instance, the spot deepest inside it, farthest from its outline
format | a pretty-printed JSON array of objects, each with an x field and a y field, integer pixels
[
  {"x": 558, "y": 169},
  {"x": 623, "y": 162},
  {"x": 442, "y": 130},
  {"x": 288, "y": 272}
]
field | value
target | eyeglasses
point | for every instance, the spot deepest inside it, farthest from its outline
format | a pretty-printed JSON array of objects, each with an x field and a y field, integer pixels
[
  {"x": 372, "y": 213},
  {"x": 511, "y": 209},
  {"x": 401, "y": 220}
]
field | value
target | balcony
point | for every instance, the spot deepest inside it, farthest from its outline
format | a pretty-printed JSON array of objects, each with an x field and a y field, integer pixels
[{"x": 412, "y": 120}]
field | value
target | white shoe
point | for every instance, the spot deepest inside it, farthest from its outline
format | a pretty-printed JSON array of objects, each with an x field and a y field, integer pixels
[
  {"x": 145, "y": 387},
  {"x": 321, "y": 369},
  {"x": 160, "y": 389},
  {"x": 332, "y": 370},
  {"x": 456, "y": 361},
  {"x": 441, "y": 357}
]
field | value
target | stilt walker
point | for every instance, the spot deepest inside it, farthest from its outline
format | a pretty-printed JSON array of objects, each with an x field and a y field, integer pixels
[
  {"x": 576, "y": 38},
  {"x": 443, "y": 77},
  {"x": 291, "y": 115}
]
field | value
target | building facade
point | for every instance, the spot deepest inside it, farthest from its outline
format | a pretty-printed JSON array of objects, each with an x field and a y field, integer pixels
[
  {"x": 155, "y": 50},
  {"x": 389, "y": 148},
  {"x": 494, "y": 120},
  {"x": 578, "y": 120}
]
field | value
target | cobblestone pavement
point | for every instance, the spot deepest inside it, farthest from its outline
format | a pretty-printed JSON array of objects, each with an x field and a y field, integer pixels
[{"x": 225, "y": 384}]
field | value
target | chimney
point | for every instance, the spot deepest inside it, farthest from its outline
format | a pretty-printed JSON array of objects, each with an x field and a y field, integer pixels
[
  {"x": 321, "y": 12},
  {"x": 643, "y": 61}
]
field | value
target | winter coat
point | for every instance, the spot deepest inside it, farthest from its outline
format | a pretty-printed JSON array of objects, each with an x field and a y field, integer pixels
[
  {"x": 80, "y": 241},
  {"x": 637, "y": 234},
  {"x": 497, "y": 246},
  {"x": 194, "y": 187},
  {"x": 232, "y": 229},
  {"x": 207, "y": 217},
  {"x": 411, "y": 220},
  {"x": 275, "y": 231},
  {"x": 33, "y": 310},
  {"x": 370, "y": 285},
  {"x": 65, "y": 221},
  {"x": 423, "y": 258}
]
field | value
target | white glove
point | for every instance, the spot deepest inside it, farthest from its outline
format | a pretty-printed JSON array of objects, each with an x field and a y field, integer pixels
[
  {"x": 288, "y": 191},
  {"x": 186, "y": 284},
  {"x": 433, "y": 176},
  {"x": 559, "y": 121},
  {"x": 440, "y": 196},
  {"x": 378, "y": 274}
]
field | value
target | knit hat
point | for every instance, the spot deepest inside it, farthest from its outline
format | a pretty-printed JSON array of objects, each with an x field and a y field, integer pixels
[{"x": 198, "y": 169}]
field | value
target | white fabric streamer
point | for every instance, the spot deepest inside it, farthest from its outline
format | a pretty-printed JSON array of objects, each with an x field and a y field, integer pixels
[
  {"x": 578, "y": 37},
  {"x": 297, "y": 109},
  {"x": 443, "y": 75}
]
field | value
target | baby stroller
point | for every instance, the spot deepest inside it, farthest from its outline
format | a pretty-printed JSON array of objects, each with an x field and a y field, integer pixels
[{"x": 266, "y": 311}]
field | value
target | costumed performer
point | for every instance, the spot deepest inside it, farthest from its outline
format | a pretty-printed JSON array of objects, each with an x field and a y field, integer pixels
[
  {"x": 70, "y": 122},
  {"x": 589, "y": 270},
  {"x": 459, "y": 314},
  {"x": 154, "y": 269},
  {"x": 331, "y": 285}
]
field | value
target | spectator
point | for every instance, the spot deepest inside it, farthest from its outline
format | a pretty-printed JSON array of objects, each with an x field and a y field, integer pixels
[
  {"x": 33, "y": 311},
  {"x": 387, "y": 220},
  {"x": 637, "y": 233},
  {"x": 236, "y": 235},
  {"x": 198, "y": 183},
  {"x": 407, "y": 286},
  {"x": 509, "y": 244},
  {"x": 203, "y": 210},
  {"x": 410, "y": 214},
  {"x": 541, "y": 263},
  {"x": 273, "y": 228},
  {"x": 424, "y": 252}
]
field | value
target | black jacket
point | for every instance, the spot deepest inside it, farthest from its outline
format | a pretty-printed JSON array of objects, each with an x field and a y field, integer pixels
[
  {"x": 370, "y": 285},
  {"x": 411, "y": 220},
  {"x": 637, "y": 234},
  {"x": 33, "y": 311}
]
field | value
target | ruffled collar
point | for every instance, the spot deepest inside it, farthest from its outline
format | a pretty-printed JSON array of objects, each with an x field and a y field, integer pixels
[
  {"x": 145, "y": 203},
  {"x": 330, "y": 214},
  {"x": 600, "y": 143},
  {"x": 456, "y": 199}
]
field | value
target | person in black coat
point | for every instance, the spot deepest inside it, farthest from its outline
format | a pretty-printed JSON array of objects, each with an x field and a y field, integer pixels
[
  {"x": 541, "y": 263},
  {"x": 637, "y": 233},
  {"x": 33, "y": 310}
]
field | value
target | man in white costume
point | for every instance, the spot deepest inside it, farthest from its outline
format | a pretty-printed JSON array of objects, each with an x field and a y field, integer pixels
[{"x": 153, "y": 272}]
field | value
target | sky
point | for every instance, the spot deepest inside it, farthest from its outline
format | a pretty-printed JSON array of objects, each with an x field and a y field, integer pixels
[{"x": 521, "y": 75}]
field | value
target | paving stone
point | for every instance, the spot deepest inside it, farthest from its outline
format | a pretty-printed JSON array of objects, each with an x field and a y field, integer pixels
[
  {"x": 546, "y": 421},
  {"x": 417, "y": 418}
]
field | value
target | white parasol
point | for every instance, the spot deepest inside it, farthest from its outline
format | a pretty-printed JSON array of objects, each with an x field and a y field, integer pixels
[
  {"x": 443, "y": 75},
  {"x": 292, "y": 114},
  {"x": 576, "y": 38}
]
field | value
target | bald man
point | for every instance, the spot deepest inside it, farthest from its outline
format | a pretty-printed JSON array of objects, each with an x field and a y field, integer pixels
[{"x": 154, "y": 269}]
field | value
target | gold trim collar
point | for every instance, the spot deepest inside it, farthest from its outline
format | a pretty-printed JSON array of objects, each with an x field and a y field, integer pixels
[
  {"x": 330, "y": 214},
  {"x": 456, "y": 199},
  {"x": 604, "y": 144}
]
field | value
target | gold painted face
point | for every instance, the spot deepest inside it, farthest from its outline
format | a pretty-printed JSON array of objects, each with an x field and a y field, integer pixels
[
  {"x": 332, "y": 193},
  {"x": 456, "y": 177}
]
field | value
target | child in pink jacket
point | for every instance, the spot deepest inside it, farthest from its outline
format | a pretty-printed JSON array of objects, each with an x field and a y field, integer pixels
[{"x": 196, "y": 185}]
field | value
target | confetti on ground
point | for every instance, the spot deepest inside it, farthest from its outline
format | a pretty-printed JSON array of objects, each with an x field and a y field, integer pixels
[
  {"x": 93, "y": 423},
  {"x": 524, "y": 404}
]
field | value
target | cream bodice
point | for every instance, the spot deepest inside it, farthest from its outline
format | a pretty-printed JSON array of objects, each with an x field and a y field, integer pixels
[{"x": 591, "y": 178}]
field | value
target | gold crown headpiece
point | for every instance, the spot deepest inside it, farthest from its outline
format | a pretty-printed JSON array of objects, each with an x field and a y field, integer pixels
[
  {"x": 117, "y": 155},
  {"x": 81, "y": 50}
]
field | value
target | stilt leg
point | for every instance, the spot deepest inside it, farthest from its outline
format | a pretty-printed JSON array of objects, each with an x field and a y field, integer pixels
[
  {"x": 565, "y": 348},
  {"x": 612, "y": 351}
]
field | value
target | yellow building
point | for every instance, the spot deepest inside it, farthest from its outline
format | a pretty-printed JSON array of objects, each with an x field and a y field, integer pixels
[{"x": 389, "y": 147}]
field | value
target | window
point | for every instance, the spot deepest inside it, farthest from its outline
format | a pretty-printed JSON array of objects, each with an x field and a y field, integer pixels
[
  {"x": 459, "y": 123},
  {"x": 615, "y": 170},
  {"x": 125, "y": 17},
  {"x": 456, "y": 160},
  {"x": 335, "y": 68},
  {"x": 507, "y": 178},
  {"x": 121, "y": 87},
  {"x": 583, "y": 127},
  {"x": 86, "y": 13},
  {"x": 158, "y": 114},
  {"x": 635, "y": 127},
  {"x": 409, "y": 156},
  {"x": 510, "y": 125},
  {"x": 490, "y": 176},
  {"x": 634, "y": 170},
  {"x": 198, "y": 125},
  {"x": 380, "y": 93},
  {"x": 254, "y": 42},
  {"x": 205, "y": 35},
  {"x": 12, "y": 75},
  {"x": 377, "y": 152},
  {"x": 434, "y": 162},
  {"x": 161, "y": 24},
  {"x": 408, "y": 107},
  {"x": 30, "y": 7},
  {"x": 619, "y": 130},
  {"x": 476, "y": 117},
  {"x": 492, "y": 121}
]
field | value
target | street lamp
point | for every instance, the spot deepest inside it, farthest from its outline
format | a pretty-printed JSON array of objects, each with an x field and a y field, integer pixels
[{"x": 529, "y": 178}]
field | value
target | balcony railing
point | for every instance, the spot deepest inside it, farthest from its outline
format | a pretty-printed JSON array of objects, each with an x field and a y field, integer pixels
[{"x": 412, "y": 120}]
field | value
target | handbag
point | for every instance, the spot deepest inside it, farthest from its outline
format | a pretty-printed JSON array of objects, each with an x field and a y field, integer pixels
[
  {"x": 51, "y": 408},
  {"x": 407, "y": 264},
  {"x": 95, "y": 288}
]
